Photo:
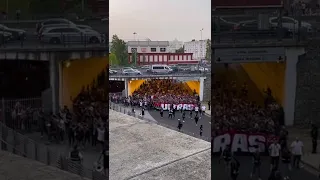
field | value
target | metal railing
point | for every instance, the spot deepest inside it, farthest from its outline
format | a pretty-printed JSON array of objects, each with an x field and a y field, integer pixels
[
  {"x": 32, "y": 41},
  {"x": 21, "y": 145},
  {"x": 124, "y": 110}
]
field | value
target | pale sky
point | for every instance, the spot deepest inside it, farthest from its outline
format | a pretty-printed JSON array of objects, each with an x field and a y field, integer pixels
[{"x": 160, "y": 20}]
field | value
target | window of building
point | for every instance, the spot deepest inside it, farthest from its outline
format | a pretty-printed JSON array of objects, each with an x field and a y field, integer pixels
[
  {"x": 162, "y": 49},
  {"x": 153, "y": 49},
  {"x": 133, "y": 49}
]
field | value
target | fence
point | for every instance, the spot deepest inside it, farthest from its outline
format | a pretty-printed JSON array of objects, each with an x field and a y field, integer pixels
[
  {"x": 14, "y": 142},
  {"x": 124, "y": 110}
]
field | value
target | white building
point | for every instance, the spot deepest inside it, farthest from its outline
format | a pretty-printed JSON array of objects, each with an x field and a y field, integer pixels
[
  {"x": 175, "y": 45},
  {"x": 198, "y": 48},
  {"x": 148, "y": 46}
]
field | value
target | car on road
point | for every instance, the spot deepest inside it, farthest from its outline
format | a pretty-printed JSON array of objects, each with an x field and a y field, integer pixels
[
  {"x": 58, "y": 35},
  {"x": 111, "y": 71},
  {"x": 160, "y": 68},
  {"x": 291, "y": 24},
  {"x": 145, "y": 67},
  {"x": 184, "y": 68},
  {"x": 5, "y": 37},
  {"x": 131, "y": 72},
  {"x": 174, "y": 68},
  {"x": 17, "y": 34},
  {"x": 203, "y": 69},
  {"x": 53, "y": 21},
  {"x": 44, "y": 27}
]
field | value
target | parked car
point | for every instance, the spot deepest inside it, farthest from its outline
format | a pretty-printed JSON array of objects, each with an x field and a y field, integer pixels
[
  {"x": 291, "y": 24},
  {"x": 5, "y": 37},
  {"x": 203, "y": 69},
  {"x": 53, "y": 21},
  {"x": 57, "y": 35},
  {"x": 131, "y": 72},
  {"x": 17, "y": 34},
  {"x": 145, "y": 67},
  {"x": 112, "y": 71},
  {"x": 44, "y": 27}
]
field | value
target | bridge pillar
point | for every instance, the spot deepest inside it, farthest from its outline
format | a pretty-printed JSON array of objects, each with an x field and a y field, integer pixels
[
  {"x": 201, "y": 90},
  {"x": 127, "y": 87},
  {"x": 292, "y": 57},
  {"x": 54, "y": 82}
]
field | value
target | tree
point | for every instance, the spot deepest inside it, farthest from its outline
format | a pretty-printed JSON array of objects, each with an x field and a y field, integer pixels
[
  {"x": 180, "y": 50},
  {"x": 113, "y": 61},
  {"x": 208, "y": 50},
  {"x": 119, "y": 49}
]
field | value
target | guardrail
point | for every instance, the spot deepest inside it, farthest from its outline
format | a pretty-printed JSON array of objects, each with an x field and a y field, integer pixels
[
  {"x": 64, "y": 41},
  {"x": 124, "y": 110},
  {"x": 187, "y": 74},
  {"x": 21, "y": 145}
]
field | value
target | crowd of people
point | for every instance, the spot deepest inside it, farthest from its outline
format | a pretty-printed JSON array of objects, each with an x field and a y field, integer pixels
[
  {"x": 232, "y": 110},
  {"x": 160, "y": 91}
]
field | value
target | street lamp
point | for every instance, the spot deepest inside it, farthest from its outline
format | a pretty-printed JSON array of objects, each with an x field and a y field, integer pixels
[
  {"x": 134, "y": 35},
  {"x": 201, "y": 33}
]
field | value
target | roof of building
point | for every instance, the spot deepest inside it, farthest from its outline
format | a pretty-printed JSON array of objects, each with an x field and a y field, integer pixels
[
  {"x": 148, "y": 43},
  {"x": 142, "y": 150},
  {"x": 17, "y": 167}
]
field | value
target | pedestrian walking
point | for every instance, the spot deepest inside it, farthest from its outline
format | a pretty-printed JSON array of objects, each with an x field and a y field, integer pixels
[
  {"x": 179, "y": 124},
  {"x": 196, "y": 119},
  {"x": 297, "y": 151},
  {"x": 161, "y": 112},
  {"x": 209, "y": 105},
  {"x": 286, "y": 161},
  {"x": 201, "y": 129},
  {"x": 234, "y": 167},
  {"x": 256, "y": 162},
  {"x": 183, "y": 115},
  {"x": 170, "y": 114},
  {"x": 274, "y": 152}
]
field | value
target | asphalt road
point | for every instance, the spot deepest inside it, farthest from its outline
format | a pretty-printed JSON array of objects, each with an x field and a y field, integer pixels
[
  {"x": 189, "y": 125},
  {"x": 218, "y": 170}
]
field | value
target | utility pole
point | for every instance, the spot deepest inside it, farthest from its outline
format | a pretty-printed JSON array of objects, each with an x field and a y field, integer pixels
[{"x": 134, "y": 35}]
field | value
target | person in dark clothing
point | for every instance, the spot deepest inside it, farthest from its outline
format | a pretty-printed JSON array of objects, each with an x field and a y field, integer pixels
[
  {"x": 170, "y": 114},
  {"x": 226, "y": 156},
  {"x": 191, "y": 113},
  {"x": 174, "y": 112},
  {"x": 234, "y": 168},
  {"x": 201, "y": 129},
  {"x": 196, "y": 119},
  {"x": 256, "y": 160},
  {"x": 314, "y": 136},
  {"x": 179, "y": 124},
  {"x": 286, "y": 161},
  {"x": 183, "y": 115},
  {"x": 105, "y": 160},
  {"x": 161, "y": 112},
  {"x": 275, "y": 174},
  {"x": 142, "y": 112},
  {"x": 209, "y": 105}
]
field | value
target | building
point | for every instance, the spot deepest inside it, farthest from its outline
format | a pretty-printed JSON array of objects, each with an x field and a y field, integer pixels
[
  {"x": 156, "y": 52},
  {"x": 197, "y": 48},
  {"x": 98, "y": 7},
  {"x": 175, "y": 45}
]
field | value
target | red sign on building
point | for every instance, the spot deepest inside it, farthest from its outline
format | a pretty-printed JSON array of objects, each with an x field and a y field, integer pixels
[
  {"x": 143, "y": 50},
  {"x": 237, "y": 4}
]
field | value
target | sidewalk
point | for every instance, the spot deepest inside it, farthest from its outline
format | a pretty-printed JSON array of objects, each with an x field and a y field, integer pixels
[{"x": 309, "y": 160}]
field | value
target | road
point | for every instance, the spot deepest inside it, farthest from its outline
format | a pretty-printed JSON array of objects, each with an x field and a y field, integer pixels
[{"x": 246, "y": 167}]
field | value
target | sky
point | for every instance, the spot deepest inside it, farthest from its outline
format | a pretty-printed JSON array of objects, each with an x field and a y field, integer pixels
[{"x": 160, "y": 20}]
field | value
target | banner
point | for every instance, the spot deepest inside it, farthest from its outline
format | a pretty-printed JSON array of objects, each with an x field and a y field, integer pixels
[
  {"x": 166, "y": 106},
  {"x": 243, "y": 142}
]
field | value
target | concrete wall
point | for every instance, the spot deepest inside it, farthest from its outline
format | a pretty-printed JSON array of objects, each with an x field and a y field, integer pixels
[
  {"x": 207, "y": 88},
  {"x": 307, "y": 107}
]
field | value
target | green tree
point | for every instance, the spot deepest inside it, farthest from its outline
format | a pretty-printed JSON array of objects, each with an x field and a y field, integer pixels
[
  {"x": 208, "y": 50},
  {"x": 113, "y": 61},
  {"x": 180, "y": 50},
  {"x": 119, "y": 49}
]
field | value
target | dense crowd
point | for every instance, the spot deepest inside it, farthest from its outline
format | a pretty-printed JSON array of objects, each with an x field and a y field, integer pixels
[
  {"x": 233, "y": 111},
  {"x": 164, "y": 91}
]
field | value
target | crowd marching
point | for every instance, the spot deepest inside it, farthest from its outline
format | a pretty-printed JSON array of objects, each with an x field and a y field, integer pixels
[{"x": 233, "y": 111}]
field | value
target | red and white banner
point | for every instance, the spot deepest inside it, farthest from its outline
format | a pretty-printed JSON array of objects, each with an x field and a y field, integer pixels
[
  {"x": 243, "y": 142},
  {"x": 166, "y": 106}
]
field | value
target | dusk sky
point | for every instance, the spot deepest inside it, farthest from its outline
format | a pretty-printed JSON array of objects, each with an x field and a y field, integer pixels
[{"x": 160, "y": 20}]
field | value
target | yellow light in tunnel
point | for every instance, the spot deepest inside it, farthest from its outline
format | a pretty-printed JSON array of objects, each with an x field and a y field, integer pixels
[
  {"x": 67, "y": 63},
  {"x": 130, "y": 82}
]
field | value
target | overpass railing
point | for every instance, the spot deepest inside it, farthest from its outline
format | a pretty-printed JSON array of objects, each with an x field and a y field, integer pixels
[
  {"x": 21, "y": 145},
  {"x": 167, "y": 76},
  {"x": 124, "y": 110},
  {"x": 63, "y": 41}
]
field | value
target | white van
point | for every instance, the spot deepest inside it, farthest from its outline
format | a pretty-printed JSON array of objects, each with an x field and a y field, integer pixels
[{"x": 158, "y": 69}]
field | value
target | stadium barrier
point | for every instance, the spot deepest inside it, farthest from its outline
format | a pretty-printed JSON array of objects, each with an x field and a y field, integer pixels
[
  {"x": 21, "y": 145},
  {"x": 242, "y": 143},
  {"x": 122, "y": 109}
]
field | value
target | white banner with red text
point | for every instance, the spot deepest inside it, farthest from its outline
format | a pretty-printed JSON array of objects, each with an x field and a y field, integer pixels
[
  {"x": 166, "y": 106},
  {"x": 243, "y": 142}
]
